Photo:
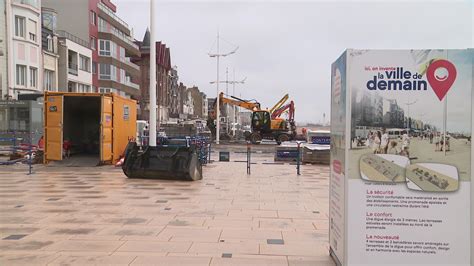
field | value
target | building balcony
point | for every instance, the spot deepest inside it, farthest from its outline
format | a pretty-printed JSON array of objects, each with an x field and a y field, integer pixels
[
  {"x": 129, "y": 63},
  {"x": 131, "y": 49},
  {"x": 110, "y": 16},
  {"x": 69, "y": 36},
  {"x": 127, "y": 87},
  {"x": 123, "y": 63},
  {"x": 131, "y": 84}
]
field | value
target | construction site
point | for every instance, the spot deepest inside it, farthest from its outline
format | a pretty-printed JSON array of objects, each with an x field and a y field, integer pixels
[
  {"x": 97, "y": 188},
  {"x": 94, "y": 185}
]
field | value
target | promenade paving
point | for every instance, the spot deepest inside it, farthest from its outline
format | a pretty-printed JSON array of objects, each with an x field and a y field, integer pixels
[{"x": 95, "y": 215}]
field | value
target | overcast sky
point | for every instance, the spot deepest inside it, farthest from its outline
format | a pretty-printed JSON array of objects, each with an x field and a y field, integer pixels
[{"x": 289, "y": 46}]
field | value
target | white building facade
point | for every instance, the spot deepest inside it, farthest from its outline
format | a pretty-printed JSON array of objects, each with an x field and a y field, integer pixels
[
  {"x": 23, "y": 41},
  {"x": 75, "y": 64}
]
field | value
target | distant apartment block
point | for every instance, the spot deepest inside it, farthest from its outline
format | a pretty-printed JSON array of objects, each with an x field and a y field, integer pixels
[
  {"x": 174, "y": 93},
  {"x": 199, "y": 103},
  {"x": 163, "y": 78},
  {"x": 109, "y": 38},
  {"x": 23, "y": 44}
]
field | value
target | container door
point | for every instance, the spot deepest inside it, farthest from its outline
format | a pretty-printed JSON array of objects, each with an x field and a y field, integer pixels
[
  {"x": 106, "y": 129},
  {"x": 54, "y": 128}
]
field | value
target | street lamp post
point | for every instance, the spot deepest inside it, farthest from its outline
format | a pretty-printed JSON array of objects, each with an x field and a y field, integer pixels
[
  {"x": 152, "y": 89},
  {"x": 227, "y": 93},
  {"x": 234, "y": 116},
  {"x": 217, "y": 56},
  {"x": 233, "y": 82}
]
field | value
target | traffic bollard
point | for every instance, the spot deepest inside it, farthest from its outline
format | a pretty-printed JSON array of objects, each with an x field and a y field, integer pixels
[
  {"x": 209, "y": 153},
  {"x": 298, "y": 159},
  {"x": 30, "y": 156}
]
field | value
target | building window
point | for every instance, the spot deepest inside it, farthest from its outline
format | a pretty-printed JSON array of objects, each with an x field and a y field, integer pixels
[
  {"x": 20, "y": 75},
  {"x": 20, "y": 26},
  {"x": 32, "y": 29},
  {"x": 105, "y": 90},
  {"x": 104, "y": 47},
  {"x": 48, "y": 80},
  {"x": 33, "y": 77},
  {"x": 84, "y": 63},
  {"x": 107, "y": 72},
  {"x": 50, "y": 43},
  {"x": 83, "y": 88},
  {"x": 102, "y": 24},
  {"x": 93, "y": 42},
  {"x": 122, "y": 75},
  {"x": 94, "y": 67},
  {"x": 93, "y": 18},
  {"x": 122, "y": 54},
  {"x": 104, "y": 71},
  {"x": 107, "y": 48}
]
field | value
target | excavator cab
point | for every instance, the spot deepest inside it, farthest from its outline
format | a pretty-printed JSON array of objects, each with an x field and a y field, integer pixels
[
  {"x": 263, "y": 126},
  {"x": 261, "y": 121}
]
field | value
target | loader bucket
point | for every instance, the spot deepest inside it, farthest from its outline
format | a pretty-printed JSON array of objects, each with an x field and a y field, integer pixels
[{"x": 162, "y": 162}]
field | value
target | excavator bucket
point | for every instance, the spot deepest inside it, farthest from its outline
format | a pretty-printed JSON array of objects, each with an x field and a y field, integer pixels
[{"x": 169, "y": 162}]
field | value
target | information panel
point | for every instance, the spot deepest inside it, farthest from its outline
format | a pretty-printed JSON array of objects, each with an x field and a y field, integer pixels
[{"x": 408, "y": 164}]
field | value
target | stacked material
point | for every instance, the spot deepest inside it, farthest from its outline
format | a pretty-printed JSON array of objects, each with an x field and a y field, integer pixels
[
  {"x": 321, "y": 137},
  {"x": 179, "y": 130},
  {"x": 315, "y": 153},
  {"x": 287, "y": 152}
]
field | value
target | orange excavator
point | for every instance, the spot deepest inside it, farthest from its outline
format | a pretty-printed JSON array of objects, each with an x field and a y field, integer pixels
[{"x": 264, "y": 124}]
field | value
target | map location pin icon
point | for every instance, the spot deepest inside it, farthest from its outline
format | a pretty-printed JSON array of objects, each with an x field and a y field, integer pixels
[{"x": 441, "y": 75}]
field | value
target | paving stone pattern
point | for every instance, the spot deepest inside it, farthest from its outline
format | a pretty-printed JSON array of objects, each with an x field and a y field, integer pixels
[{"x": 86, "y": 216}]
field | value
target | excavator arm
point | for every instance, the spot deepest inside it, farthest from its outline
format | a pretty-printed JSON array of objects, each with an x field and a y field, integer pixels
[
  {"x": 288, "y": 107},
  {"x": 253, "y": 106},
  {"x": 279, "y": 103}
]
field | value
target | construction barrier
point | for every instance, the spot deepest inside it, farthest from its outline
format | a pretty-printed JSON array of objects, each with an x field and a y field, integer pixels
[{"x": 18, "y": 147}]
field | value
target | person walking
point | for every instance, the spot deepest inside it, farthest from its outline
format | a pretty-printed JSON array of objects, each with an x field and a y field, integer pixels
[
  {"x": 405, "y": 140},
  {"x": 376, "y": 143},
  {"x": 393, "y": 148},
  {"x": 384, "y": 142},
  {"x": 437, "y": 141},
  {"x": 370, "y": 139}
]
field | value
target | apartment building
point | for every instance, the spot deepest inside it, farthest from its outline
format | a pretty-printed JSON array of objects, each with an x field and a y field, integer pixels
[
  {"x": 75, "y": 64},
  {"x": 174, "y": 93},
  {"x": 109, "y": 38},
  {"x": 23, "y": 42},
  {"x": 163, "y": 78},
  {"x": 199, "y": 103}
]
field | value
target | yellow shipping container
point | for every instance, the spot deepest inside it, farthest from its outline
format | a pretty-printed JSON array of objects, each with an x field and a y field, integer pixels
[{"x": 92, "y": 125}]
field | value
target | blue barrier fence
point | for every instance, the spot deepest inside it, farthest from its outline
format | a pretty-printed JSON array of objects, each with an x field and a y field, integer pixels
[{"x": 19, "y": 147}]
